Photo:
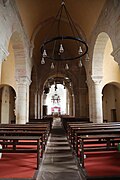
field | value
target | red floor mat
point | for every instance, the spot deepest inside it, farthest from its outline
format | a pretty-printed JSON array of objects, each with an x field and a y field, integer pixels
[
  {"x": 103, "y": 164},
  {"x": 19, "y": 165}
]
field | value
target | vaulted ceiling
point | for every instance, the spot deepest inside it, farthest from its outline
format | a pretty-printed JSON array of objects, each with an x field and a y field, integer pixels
[
  {"x": 36, "y": 13},
  {"x": 84, "y": 12}
]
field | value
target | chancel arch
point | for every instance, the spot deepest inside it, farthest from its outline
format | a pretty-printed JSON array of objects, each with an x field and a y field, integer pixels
[{"x": 58, "y": 91}]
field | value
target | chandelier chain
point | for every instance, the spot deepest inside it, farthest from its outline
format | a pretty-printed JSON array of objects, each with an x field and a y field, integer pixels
[{"x": 60, "y": 46}]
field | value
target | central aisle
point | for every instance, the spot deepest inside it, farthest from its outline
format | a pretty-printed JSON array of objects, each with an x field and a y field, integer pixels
[{"x": 58, "y": 161}]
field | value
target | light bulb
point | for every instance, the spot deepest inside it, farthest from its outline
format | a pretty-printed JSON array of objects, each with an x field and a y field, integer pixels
[
  {"x": 43, "y": 60},
  {"x": 61, "y": 50},
  {"x": 80, "y": 50},
  {"x": 66, "y": 67},
  {"x": 52, "y": 66},
  {"x": 44, "y": 53}
]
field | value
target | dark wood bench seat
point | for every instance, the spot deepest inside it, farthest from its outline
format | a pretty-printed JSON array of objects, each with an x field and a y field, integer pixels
[
  {"x": 25, "y": 125},
  {"x": 90, "y": 129},
  {"x": 107, "y": 138},
  {"x": 97, "y": 131},
  {"x": 45, "y": 119},
  {"x": 89, "y": 125},
  {"x": 74, "y": 124},
  {"x": 20, "y": 140},
  {"x": 25, "y": 128},
  {"x": 93, "y": 137},
  {"x": 42, "y": 134},
  {"x": 79, "y": 133},
  {"x": 65, "y": 120}
]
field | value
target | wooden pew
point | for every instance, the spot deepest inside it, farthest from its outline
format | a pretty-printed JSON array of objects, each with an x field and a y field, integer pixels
[
  {"x": 65, "y": 120},
  {"x": 14, "y": 141},
  {"x": 73, "y": 127},
  {"x": 15, "y": 135},
  {"x": 87, "y": 137},
  {"x": 44, "y": 120},
  {"x": 90, "y": 139},
  {"x": 25, "y": 127},
  {"x": 95, "y": 136},
  {"x": 80, "y": 125}
]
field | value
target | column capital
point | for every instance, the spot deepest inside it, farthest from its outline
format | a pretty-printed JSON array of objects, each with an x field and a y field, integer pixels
[
  {"x": 96, "y": 79},
  {"x": 116, "y": 55},
  {"x": 3, "y": 53},
  {"x": 23, "y": 81}
]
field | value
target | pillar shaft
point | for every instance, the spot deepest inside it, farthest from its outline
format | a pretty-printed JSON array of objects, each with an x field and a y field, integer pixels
[
  {"x": 5, "y": 106},
  {"x": 97, "y": 104},
  {"x": 96, "y": 100},
  {"x": 22, "y": 100},
  {"x": 90, "y": 103}
]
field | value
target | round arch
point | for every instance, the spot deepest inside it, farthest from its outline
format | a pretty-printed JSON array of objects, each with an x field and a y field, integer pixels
[
  {"x": 98, "y": 54},
  {"x": 21, "y": 54},
  {"x": 68, "y": 91},
  {"x": 111, "y": 101},
  {"x": 7, "y": 104},
  {"x": 15, "y": 64}
]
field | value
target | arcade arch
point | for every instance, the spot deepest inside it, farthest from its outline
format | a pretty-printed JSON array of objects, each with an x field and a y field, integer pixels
[
  {"x": 111, "y": 102},
  {"x": 7, "y": 104}
]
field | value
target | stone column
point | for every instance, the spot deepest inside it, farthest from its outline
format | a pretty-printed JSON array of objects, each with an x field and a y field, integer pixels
[
  {"x": 41, "y": 104},
  {"x": 73, "y": 96},
  {"x": 77, "y": 102},
  {"x": 67, "y": 102},
  {"x": 5, "y": 106},
  {"x": 70, "y": 104},
  {"x": 36, "y": 105},
  {"x": 39, "y": 116},
  {"x": 83, "y": 94},
  {"x": 22, "y": 100},
  {"x": 96, "y": 100},
  {"x": 90, "y": 92}
]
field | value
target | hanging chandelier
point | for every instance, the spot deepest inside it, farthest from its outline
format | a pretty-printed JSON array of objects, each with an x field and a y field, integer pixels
[{"x": 63, "y": 42}]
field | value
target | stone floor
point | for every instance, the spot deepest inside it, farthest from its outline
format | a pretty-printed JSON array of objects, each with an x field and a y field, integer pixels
[{"x": 58, "y": 161}]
